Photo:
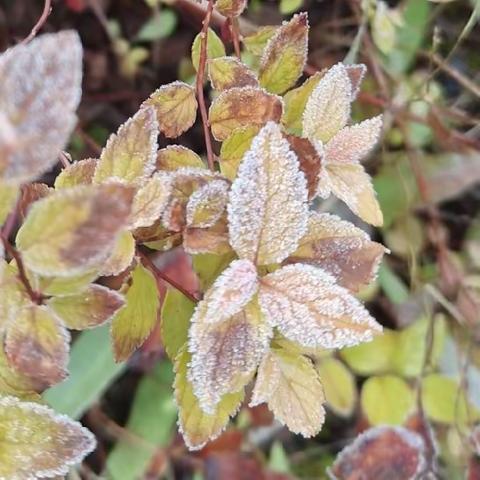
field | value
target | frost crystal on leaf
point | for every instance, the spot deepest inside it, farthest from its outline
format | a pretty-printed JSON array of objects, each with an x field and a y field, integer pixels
[
  {"x": 206, "y": 205},
  {"x": 308, "y": 307},
  {"x": 232, "y": 290},
  {"x": 356, "y": 73},
  {"x": 267, "y": 211},
  {"x": 226, "y": 354},
  {"x": 328, "y": 107},
  {"x": 290, "y": 385}
]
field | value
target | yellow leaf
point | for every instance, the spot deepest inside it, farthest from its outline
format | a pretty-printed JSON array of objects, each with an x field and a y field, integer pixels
[
  {"x": 285, "y": 55},
  {"x": 176, "y": 108},
  {"x": 241, "y": 107},
  {"x": 78, "y": 173},
  {"x": 215, "y": 47},
  {"x": 267, "y": 211},
  {"x": 59, "y": 286},
  {"x": 121, "y": 255},
  {"x": 8, "y": 197},
  {"x": 94, "y": 306},
  {"x": 37, "y": 345},
  {"x": 37, "y": 442},
  {"x": 130, "y": 154},
  {"x": 207, "y": 204},
  {"x": 38, "y": 99},
  {"x": 196, "y": 426},
  {"x": 290, "y": 386},
  {"x": 229, "y": 72},
  {"x": 309, "y": 308},
  {"x": 56, "y": 237},
  {"x": 14, "y": 383},
  {"x": 174, "y": 157},
  {"x": 231, "y": 8},
  {"x": 256, "y": 42},
  {"x": 134, "y": 322}
]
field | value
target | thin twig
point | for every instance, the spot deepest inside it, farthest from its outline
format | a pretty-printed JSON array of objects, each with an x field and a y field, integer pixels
[
  {"x": 47, "y": 8},
  {"x": 235, "y": 36},
  {"x": 159, "y": 274},
  {"x": 199, "y": 85}
]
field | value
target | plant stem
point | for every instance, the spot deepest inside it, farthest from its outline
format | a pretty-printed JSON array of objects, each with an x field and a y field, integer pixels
[
  {"x": 235, "y": 36},
  {"x": 47, "y": 8},
  {"x": 199, "y": 85}
]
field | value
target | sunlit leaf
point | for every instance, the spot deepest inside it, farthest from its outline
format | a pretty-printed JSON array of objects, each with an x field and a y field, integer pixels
[
  {"x": 341, "y": 249},
  {"x": 387, "y": 400},
  {"x": 78, "y": 173},
  {"x": 256, "y": 42},
  {"x": 41, "y": 88},
  {"x": 177, "y": 311},
  {"x": 92, "y": 307},
  {"x": 229, "y": 72},
  {"x": 285, "y": 55},
  {"x": 328, "y": 108},
  {"x": 392, "y": 453},
  {"x": 130, "y": 154},
  {"x": 121, "y": 255},
  {"x": 267, "y": 211},
  {"x": 339, "y": 386},
  {"x": 36, "y": 344},
  {"x": 176, "y": 108},
  {"x": 134, "y": 322},
  {"x": 37, "y": 442},
  {"x": 230, "y": 8},
  {"x": 241, "y": 107},
  {"x": 308, "y": 307},
  {"x": 290, "y": 386},
  {"x": 72, "y": 230},
  {"x": 174, "y": 157},
  {"x": 215, "y": 47},
  {"x": 207, "y": 204},
  {"x": 226, "y": 354},
  {"x": 196, "y": 426}
]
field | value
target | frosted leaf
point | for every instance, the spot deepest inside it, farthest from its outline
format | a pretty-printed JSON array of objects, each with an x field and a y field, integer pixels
[
  {"x": 39, "y": 443},
  {"x": 173, "y": 157},
  {"x": 290, "y": 385},
  {"x": 309, "y": 308},
  {"x": 328, "y": 107},
  {"x": 226, "y": 354},
  {"x": 232, "y": 290},
  {"x": 229, "y": 72},
  {"x": 352, "y": 144},
  {"x": 356, "y": 73},
  {"x": 130, "y": 154},
  {"x": 121, "y": 255},
  {"x": 341, "y": 249},
  {"x": 39, "y": 93},
  {"x": 78, "y": 173},
  {"x": 351, "y": 184},
  {"x": 206, "y": 205},
  {"x": 213, "y": 239},
  {"x": 267, "y": 210},
  {"x": 150, "y": 200}
]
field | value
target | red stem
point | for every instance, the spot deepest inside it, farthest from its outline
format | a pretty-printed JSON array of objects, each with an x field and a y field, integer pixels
[
  {"x": 47, "y": 8},
  {"x": 235, "y": 36}
]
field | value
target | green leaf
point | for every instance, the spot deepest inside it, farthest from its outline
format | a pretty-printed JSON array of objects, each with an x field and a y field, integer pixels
[
  {"x": 151, "y": 420},
  {"x": 392, "y": 285},
  {"x": 208, "y": 267},
  {"x": 88, "y": 379},
  {"x": 215, "y": 47},
  {"x": 256, "y": 42},
  {"x": 59, "y": 286},
  {"x": 339, "y": 386},
  {"x": 387, "y": 400},
  {"x": 161, "y": 25},
  {"x": 8, "y": 197},
  {"x": 446, "y": 402},
  {"x": 177, "y": 310},
  {"x": 133, "y": 324},
  {"x": 289, "y": 6},
  {"x": 38, "y": 443},
  {"x": 278, "y": 460}
]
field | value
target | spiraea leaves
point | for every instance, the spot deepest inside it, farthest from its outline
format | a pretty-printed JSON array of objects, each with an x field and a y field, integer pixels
[
  {"x": 309, "y": 308},
  {"x": 285, "y": 55},
  {"x": 134, "y": 322},
  {"x": 215, "y": 47},
  {"x": 176, "y": 108},
  {"x": 40, "y": 91},
  {"x": 78, "y": 173},
  {"x": 206, "y": 205},
  {"x": 290, "y": 386},
  {"x": 267, "y": 211},
  {"x": 226, "y": 354},
  {"x": 130, "y": 154},
  {"x": 37, "y": 442},
  {"x": 231, "y": 8},
  {"x": 174, "y": 157},
  {"x": 72, "y": 230},
  {"x": 229, "y": 72},
  {"x": 196, "y": 426},
  {"x": 341, "y": 249},
  {"x": 241, "y": 107}
]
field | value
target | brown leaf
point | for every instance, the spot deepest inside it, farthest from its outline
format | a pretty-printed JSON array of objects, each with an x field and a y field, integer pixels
[
  {"x": 381, "y": 453},
  {"x": 31, "y": 193},
  {"x": 232, "y": 466},
  {"x": 207, "y": 240},
  {"x": 239, "y": 107}
]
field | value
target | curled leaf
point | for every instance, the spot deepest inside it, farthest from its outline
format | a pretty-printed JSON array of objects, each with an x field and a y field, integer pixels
[
  {"x": 308, "y": 307},
  {"x": 241, "y": 107},
  {"x": 267, "y": 211},
  {"x": 229, "y": 72},
  {"x": 285, "y": 55}
]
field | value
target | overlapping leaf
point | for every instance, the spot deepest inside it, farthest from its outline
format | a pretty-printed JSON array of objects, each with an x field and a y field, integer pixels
[
  {"x": 215, "y": 47},
  {"x": 231, "y": 8},
  {"x": 229, "y": 72},
  {"x": 207, "y": 204},
  {"x": 78, "y": 173},
  {"x": 174, "y": 157},
  {"x": 121, "y": 255}
]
